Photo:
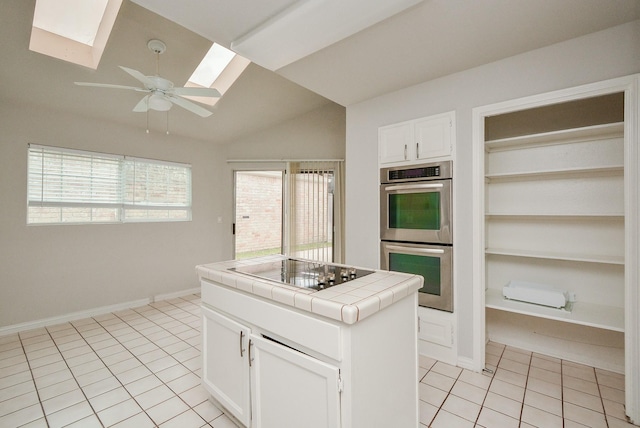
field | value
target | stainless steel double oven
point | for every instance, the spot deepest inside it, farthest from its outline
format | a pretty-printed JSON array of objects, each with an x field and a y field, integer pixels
[{"x": 416, "y": 228}]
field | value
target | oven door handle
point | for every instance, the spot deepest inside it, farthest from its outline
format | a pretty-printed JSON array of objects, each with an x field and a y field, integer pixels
[
  {"x": 415, "y": 250},
  {"x": 416, "y": 186}
]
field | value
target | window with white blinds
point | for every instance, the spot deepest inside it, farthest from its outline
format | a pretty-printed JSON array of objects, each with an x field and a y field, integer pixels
[{"x": 70, "y": 186}]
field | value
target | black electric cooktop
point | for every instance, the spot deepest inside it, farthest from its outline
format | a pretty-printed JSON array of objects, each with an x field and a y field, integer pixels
[{"x": 303, "y": 273}]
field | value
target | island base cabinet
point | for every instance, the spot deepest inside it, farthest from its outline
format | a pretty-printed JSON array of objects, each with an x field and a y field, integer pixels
[
  {"x": 272, "y": 366},
  {"x": 291, "y": 389},
  {"x": 225, "y": 372}
]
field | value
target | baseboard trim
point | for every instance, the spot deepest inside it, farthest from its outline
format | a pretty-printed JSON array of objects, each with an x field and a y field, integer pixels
[
  {"x": 176, "y": 294},
  {"x": 46, "y": 322},
  {"x": 466, "y": 363}
]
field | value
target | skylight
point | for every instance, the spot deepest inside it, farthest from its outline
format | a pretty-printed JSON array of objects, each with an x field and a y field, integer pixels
[
  {"x": 212, "y": 65},
  {"x": 77, "y": 20},
  {"x": 219, "y": 68},
  {"x": 73, "y": 30}
]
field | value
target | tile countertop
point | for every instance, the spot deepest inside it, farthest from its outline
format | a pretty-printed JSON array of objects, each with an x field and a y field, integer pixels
[{"x": 349, "y": 302}]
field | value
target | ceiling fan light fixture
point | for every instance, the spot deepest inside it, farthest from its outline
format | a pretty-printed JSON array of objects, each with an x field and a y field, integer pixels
[
  {"x": 162, "y": 93},
  {"x": 159, "y": 102}
]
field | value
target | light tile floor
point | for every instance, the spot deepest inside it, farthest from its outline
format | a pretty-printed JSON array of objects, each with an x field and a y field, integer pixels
[
  {"x": 141, "y": 368},
  {"x": 525, "y": 390}
]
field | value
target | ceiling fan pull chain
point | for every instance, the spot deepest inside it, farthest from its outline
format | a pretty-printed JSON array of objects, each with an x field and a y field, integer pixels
[
  {"x": 167, "y": 122},
  {"x": 147, "y": 120}
]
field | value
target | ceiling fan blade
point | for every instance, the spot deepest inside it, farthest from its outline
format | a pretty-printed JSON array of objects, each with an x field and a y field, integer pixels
[
  {"x": 188, "y": 105},
  {"x": 197, "y": 92},
  {"x": 141, "y": 77},
  {"x": 107, "y": 85},
  {"x": 142, "y": 106}
]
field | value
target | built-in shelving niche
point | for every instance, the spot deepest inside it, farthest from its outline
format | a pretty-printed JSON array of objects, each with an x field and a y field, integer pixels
[{"x": 554, "y": 214}]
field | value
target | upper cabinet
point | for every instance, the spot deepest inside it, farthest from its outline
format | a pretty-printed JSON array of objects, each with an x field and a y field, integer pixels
[{"x": 424, "y": 138}]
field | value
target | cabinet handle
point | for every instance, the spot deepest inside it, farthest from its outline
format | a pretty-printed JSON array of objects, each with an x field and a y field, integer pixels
[
  {"x": 250, "y": 353},
  {"x": 405, "y": 152},
  {"x": 417, "y": 150},
  {"x": 241, "y": 340}
]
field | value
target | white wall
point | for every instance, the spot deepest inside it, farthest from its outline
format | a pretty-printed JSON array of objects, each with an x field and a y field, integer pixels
[
  {"x": 611, "y": 53},
  {"x": 49, "y": 271},
  {"x": 319, "y": 134}
]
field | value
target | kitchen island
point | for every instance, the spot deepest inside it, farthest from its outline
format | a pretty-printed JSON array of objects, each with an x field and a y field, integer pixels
[{"x": 278, "y": 355}]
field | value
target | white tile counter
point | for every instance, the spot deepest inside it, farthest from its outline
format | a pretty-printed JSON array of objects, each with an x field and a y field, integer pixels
[{"x": 349, "y": 302}]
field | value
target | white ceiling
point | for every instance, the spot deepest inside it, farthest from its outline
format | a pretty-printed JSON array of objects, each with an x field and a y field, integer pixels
[
  {"x": 429, "y": 40},
  {"x": 259, "y": 99}
]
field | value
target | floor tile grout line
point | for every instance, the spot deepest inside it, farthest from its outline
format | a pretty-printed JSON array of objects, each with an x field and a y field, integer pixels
[
  {"x": 75, "y": 378},
  {"x": 562, "y": 391},
  {"x": 493, "y": 376},
  {"x": 604, "y": 412},
  {"x": 526, "y": 383},
  {"x": 34, "y": 381}
]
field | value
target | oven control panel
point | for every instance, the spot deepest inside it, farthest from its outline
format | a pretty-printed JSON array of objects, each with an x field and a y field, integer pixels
[{"x": 430, "y": 171}]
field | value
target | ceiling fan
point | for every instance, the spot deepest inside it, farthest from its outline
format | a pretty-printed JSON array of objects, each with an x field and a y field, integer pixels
[{"x": 161, "y": 92}]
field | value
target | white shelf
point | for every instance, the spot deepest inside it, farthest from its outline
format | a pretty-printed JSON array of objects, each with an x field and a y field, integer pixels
[
  {"x": 558, "y": 173},
  {"x": 583, "y": 313},
  {"x": 564, "y": 136},
  {"x": 551, "y": 216},
  {"x": 605, "y": 259}
]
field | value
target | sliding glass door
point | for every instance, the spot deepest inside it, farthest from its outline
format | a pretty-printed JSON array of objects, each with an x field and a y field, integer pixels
[
  {"x": 296, "y": 210},
  {"x": 258, "y": 213}
]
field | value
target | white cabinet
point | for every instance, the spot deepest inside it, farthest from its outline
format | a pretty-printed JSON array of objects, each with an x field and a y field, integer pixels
[
  {"x": 425, "y": 138},
  {"x": 436, "y": 335},
  {"x": 284, "y": 387},
  {"x": 274, "y": 366},
  {"x": 309, "y": 388},
  {"x": 225, "y": 373}
]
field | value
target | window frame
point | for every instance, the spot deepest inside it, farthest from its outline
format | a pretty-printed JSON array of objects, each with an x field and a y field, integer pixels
[{"x": 121, "y": 189}]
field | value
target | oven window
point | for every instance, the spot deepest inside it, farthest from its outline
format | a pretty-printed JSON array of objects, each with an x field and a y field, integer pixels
[
  {"x": 428, "y": 267},
  {"x": 414, "y": 211}
]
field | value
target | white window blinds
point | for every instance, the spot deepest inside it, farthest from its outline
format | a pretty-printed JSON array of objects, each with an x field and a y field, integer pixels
[
  {"x": 70, "y": 186},
  {"x": 156, "y": 190},
  {"x": 314, "y": 210}
]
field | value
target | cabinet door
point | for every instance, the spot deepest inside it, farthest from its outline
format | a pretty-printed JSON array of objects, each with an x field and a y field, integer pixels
[
  {"x": 225, "y": 368},
  {"x": 433, "y": 136},
  {"x": 291, "y": 389},
  {"x": 396, "y": 143}
]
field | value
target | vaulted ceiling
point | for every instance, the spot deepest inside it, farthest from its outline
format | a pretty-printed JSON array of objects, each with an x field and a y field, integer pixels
[{"x": 429, "y": 40}]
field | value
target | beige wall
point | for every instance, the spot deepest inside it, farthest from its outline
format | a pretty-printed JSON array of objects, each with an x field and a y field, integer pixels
[{"x": 51, "y": 271}]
